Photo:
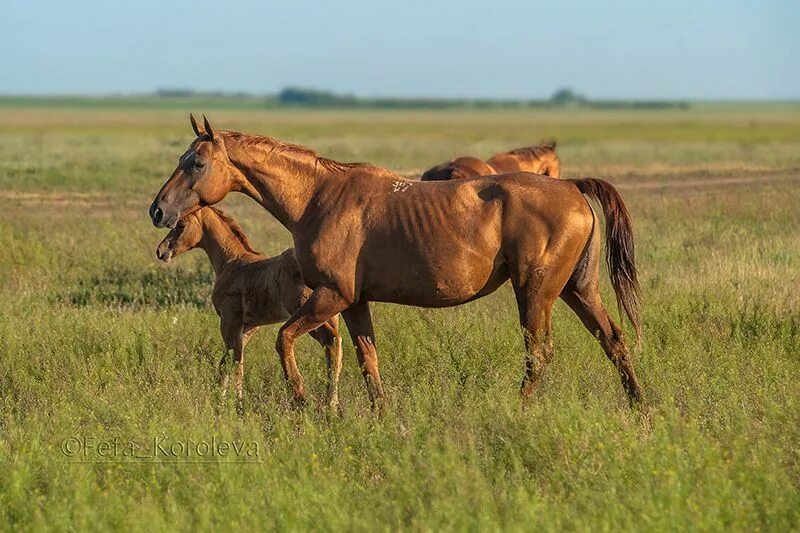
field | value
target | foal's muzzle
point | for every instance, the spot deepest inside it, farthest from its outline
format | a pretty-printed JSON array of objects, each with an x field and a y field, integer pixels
[{"x": 164, "y": 252}]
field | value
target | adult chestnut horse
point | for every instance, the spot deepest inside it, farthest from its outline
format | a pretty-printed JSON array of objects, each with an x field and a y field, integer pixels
[
  {"x": 362, "y": 234},
  {"x": 540, "y": 159}
]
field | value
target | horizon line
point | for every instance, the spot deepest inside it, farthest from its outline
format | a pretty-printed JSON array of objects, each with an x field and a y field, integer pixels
[{"x": 234, "y": 94}]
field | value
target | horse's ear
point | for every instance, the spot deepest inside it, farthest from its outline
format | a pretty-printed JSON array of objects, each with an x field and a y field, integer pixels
[
  {"x": 209, "y": 129},
  {"x": 195, "y": 127}
]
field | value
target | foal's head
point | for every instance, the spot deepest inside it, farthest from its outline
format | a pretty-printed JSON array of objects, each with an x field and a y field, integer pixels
[
  {"x": 184, "y": 236},
  {"x": 204, "y": 176},
  {"x": 208, "y": 227}
]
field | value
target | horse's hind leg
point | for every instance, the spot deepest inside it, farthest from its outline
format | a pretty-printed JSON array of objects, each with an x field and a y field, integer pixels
[
  {"x": 586, "y": 303},
  {"x": 535, "y": 309}
]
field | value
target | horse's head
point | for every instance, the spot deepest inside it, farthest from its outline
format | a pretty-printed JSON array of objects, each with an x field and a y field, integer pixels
[
  {"x": 204, "y": 176},
  {"x": 185, "y": 236}
]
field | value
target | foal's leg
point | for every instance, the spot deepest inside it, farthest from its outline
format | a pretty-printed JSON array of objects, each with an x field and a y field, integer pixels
[
  {"x": 322, "y": 305},
  {"x": 328, "y": 336},
  {"x": 586, "y": 303},
  {"x": 238, "y": 378},
  {"x": 235, "y": 339},
  {"x": 359, "y": 323}
]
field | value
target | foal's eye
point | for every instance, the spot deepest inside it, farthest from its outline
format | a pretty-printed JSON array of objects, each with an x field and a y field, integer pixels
[{"x": 199, "y": 164}]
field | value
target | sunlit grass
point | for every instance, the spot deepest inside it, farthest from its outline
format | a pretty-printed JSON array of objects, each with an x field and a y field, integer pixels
[{"x": 98, "y": 339}]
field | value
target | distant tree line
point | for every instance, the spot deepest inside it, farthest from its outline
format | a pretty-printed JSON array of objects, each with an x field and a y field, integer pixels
[
  {"x": 315, "y": 98},
  {"x": 189, "y": 93}
]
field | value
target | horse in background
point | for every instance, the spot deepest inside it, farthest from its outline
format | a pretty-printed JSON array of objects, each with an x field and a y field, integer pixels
[
  {"x": 540, "y": 159},
  {"x": 458, "y": 168}
]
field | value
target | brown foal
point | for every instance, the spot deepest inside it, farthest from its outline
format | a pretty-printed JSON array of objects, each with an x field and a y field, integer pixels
[
  {"x": 250, "y": 290},
  {"x": 363, "y": 234},
  {"x": 540, "y": 159}
]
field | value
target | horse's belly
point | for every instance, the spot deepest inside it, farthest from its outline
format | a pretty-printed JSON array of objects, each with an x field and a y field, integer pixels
[
  {"x": 261, "y": 313},
  {"x": 425, "y": 298},
  {"x": 434, "y": 284}
]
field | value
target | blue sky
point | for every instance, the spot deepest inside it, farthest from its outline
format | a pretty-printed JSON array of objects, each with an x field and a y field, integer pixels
[{"x": 515, "y": 49}]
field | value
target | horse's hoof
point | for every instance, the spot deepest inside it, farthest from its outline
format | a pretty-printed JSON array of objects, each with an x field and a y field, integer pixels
[{"x": 299, "y": 402}]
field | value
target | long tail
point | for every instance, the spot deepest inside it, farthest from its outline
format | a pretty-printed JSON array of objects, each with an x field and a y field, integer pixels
[{"x": 620, "y": 255}]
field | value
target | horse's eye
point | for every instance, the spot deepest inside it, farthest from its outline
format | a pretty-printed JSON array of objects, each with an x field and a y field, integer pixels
[{"x": 199, "y": 164}]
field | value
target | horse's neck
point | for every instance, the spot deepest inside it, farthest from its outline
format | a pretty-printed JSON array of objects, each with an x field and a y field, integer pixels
[
  {"x": 220, "y": 245},
  {"x": 282, "y": 181}
]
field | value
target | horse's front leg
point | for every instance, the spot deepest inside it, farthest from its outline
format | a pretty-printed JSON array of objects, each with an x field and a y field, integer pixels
[{"x": 323, "y": 304}]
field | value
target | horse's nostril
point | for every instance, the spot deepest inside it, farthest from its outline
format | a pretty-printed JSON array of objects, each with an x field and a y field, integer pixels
[{"x": 158, "y": 214}]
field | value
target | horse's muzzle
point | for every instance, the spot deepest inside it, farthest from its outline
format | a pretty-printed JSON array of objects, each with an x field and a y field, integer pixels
[{"x": 156, "y": 215}]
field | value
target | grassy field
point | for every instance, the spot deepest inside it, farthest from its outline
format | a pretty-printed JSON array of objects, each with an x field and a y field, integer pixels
[{"x": 102, "y": 346}]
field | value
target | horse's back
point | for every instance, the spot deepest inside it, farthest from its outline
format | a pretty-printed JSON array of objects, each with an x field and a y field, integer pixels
[
  {"x": 535, "y": 193},
  {"x": 477, "y": 212},
  {"x": 458, "y": 235},
  {"x": 534, "y": 190},
  {"x": 503, "y": 163},
  {"x": 545, "y": 221},
  {"x": 548, "y": 197},
  {"x": 532, "y": 205},
  {"x": 458, "y": 168}
]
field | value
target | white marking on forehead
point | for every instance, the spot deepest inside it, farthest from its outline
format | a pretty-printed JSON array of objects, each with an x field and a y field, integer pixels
[{"x": 401, "y": 186}]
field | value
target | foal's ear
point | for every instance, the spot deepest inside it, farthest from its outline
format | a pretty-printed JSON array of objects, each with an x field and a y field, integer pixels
[
  {"x": 195, "y": 127},
  {"x": 209, "y": 129}
]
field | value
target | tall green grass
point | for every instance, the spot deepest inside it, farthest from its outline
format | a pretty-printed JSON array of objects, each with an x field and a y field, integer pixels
[{"x": 98, "y": 340}]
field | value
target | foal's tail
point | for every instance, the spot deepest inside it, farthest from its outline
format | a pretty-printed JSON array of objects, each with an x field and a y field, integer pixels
[{"x": 619, "y": 247}]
